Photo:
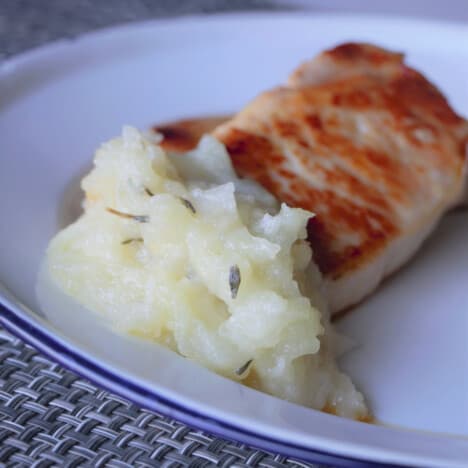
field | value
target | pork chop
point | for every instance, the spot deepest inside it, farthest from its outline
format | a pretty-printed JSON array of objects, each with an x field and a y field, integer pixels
[{"x": 369, "y": 145}]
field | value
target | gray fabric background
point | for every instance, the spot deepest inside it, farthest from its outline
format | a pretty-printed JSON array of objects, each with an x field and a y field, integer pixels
[{"x": 29, "y": 23}]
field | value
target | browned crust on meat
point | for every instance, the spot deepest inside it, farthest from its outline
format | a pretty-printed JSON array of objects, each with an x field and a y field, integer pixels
[
  {"x": 183, "y": 135},
  {"x": 352, "y": 52},
  {"x": 334, "y": 212},
  {"x": 304, "y": 144}
]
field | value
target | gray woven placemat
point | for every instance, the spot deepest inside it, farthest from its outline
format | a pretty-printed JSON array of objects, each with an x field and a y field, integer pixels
[
  {"x": 51, "y": 417},
  {"x": 29, "y": 23},
  {"x": 48, "y": 415}
]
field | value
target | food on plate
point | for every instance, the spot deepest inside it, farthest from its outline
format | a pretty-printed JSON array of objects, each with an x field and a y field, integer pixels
[
  {"x": 184, "y": 135},
  {"x": 366, "y": 143},
  {"x": 179, "y": 250}
]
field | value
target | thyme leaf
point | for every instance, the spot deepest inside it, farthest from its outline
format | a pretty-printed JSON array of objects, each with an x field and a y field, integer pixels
[
  {"x": 244, "y": 367},
  {"x": 139, "y": 218},
  {"x": 234, "y": 280},
  {"x": 188, "y": 204},
  {"x": 132, "y": 239}
]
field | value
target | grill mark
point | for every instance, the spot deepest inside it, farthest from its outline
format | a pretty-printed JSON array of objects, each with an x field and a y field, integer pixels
[
  {"x": 364, "y": 164},
  {"x": 355, "y": 98},
  {"x": 414, "y": 90},
  {"x": 314, "y": 121}
]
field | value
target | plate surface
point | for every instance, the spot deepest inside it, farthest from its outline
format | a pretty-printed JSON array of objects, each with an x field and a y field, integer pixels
[{"x": 58, "y": 103}]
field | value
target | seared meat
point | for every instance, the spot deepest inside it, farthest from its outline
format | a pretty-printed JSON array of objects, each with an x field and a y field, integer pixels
[{"x": 369, "y": 145}]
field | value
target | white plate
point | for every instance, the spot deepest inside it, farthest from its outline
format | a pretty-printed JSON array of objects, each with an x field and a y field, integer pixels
[{"x": 59, "y": 102}]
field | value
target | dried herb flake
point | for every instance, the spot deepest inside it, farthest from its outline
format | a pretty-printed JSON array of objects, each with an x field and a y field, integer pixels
[
  {"x": 139, "y": 218},
  {"x": 132, "y": 239},
  {"x": 188, "y": 204},
  {"x": 243, "y": 369},
  {"x": 234, "y": 280}
]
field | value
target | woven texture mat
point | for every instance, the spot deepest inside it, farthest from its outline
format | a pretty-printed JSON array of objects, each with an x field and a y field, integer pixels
[{"x": 51, "y": 417}]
